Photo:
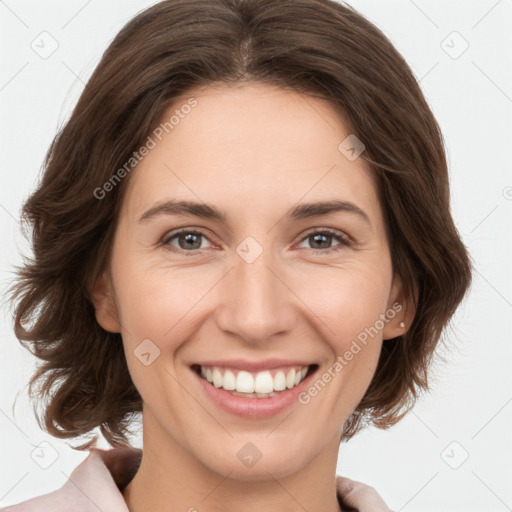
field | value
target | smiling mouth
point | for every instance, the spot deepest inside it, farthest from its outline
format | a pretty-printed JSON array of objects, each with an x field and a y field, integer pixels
[{"x": 262, "y": 384}]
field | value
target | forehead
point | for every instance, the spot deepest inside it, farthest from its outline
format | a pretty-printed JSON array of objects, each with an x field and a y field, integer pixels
[{"x": 253, "y": 141}]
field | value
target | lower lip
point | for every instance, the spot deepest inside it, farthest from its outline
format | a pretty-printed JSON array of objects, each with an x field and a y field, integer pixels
[{"x": 253, "y": 408}]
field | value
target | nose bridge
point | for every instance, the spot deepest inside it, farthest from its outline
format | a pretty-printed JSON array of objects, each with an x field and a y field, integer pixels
[{"x": 258, "y": 305}]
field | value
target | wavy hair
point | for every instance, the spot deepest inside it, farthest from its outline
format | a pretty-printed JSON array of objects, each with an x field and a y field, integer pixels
[{"x": 318, "y": 47}]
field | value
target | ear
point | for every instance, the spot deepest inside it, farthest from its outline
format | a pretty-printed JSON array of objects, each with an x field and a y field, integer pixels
[
  {"x": 104, "y": 304},
  {"x": 403, "y": 308}
]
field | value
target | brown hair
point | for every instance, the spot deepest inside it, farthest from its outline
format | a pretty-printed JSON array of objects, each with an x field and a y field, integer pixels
[{"x": 317, "y": 47}]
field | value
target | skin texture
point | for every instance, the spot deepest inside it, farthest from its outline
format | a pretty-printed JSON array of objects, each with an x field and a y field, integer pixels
[{"x": 253, "y": 151}]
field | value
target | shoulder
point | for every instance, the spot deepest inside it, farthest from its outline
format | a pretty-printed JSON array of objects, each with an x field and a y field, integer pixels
[
  {"x": 359, "y": 497},
  {"x": 94, "y": 484}
]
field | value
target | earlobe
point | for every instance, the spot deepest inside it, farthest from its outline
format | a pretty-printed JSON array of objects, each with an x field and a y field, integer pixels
[
  {"x": 401, "y": 311},
  {"x": 104, "y": 304}
]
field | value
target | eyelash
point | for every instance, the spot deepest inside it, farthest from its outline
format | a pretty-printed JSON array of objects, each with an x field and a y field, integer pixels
[{"x": 344, "y": 240}]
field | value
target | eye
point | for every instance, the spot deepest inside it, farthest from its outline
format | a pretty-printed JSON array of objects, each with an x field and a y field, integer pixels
[
  {"x": 190, "y": 241},
  {"x": 187, "y": 240},
  {"x": 322, "y": 238}
]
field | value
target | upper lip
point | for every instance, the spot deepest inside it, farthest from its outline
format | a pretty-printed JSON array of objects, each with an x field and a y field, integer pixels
[{"x": 254, "y": 366}]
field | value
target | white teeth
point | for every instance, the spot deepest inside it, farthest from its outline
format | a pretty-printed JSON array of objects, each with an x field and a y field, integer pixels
[
  {"x": 264, "y": 383},
  {"x": 290, "y": 379},
  {"x": 260, "y": 385},
  {"x": 217, "y": 378},
  {"x": 244, "y": 382},
  {"x": 280, "y": 381},
  {"x": 229, "y": 382}
]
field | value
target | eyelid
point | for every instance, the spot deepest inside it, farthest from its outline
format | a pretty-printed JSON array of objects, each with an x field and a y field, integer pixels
[
  {"x": 334, "y": 232},
  {"x": 344, "y": 239},
  {"x": 165, "y": 240}
]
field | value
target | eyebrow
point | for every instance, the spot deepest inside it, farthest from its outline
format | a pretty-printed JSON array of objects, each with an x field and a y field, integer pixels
[{"x": 206, "y": 211}]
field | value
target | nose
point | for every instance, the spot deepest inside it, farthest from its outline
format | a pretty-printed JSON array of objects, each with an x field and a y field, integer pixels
[{"x": 257, "y": 303}]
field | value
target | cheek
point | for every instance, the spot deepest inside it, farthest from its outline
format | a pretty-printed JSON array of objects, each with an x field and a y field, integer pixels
[
  {"x": 159, "y": 305},
  {"x": 157, "y": 316},
  {"x": 347, "y": 300},
  {"x": 160, "y": 302},
  {"x": 349, "y": 303}
]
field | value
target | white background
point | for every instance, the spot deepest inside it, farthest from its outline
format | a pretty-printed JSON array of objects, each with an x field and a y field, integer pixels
[{"x": 471, "y": 398}]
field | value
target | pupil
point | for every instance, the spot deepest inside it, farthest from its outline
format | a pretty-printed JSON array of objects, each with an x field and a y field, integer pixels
[
  {"x": 192, "y": 240},
  {"x": 189, "y": 237},
  {"x": 320, "y": 236}
]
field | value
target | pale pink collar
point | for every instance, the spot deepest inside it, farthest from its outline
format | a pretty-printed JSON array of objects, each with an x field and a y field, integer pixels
[{"x": 95, "y": 485}]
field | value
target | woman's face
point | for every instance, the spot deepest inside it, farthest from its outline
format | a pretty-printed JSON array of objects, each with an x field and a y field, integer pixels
[{"x": 248, "y": 281}]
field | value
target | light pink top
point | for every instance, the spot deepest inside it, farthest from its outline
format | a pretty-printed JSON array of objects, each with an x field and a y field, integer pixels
[{"x": 96, "y": 484}]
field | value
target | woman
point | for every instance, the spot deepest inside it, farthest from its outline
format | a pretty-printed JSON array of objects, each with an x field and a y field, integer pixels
[{"x": 176, "y": 269}]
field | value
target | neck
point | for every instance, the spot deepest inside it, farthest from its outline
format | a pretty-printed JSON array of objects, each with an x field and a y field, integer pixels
[{"x": 171, "y": 478}]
